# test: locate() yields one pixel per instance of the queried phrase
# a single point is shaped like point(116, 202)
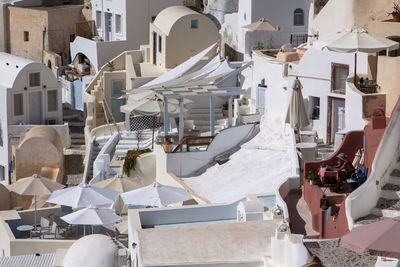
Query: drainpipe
point(43, 37)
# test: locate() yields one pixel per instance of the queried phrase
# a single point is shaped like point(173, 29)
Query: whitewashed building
point(334, 103)
point(121, 25)
point(29, 95)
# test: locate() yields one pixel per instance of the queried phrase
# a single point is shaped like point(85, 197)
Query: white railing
point(360, 202)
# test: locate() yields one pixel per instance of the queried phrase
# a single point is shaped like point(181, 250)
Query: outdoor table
point(324, 175)
point(25, 229)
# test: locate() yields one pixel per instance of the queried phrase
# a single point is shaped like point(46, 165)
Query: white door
point(261, 99)
point(338, 117)
point(108, 26)
point(35, 108)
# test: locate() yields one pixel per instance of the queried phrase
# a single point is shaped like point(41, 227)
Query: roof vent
point(8, 64)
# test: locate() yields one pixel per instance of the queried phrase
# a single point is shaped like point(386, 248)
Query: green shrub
point(130, 159)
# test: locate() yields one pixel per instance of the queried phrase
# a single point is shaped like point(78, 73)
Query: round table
point(25, 229)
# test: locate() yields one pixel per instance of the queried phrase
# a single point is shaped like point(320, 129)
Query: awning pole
point(230, 112)
point(166, 126)
point(181, 119)
point(212, 125)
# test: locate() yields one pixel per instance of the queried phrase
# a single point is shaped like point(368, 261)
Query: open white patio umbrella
point(156, 194)
point(34, 186)
point(150, 104)
point(262, 25)
point(297, 114)
point(91, 216)
point(120, 184)
point(83, 195)
point(354, 41)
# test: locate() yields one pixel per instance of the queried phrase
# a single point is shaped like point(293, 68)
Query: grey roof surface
point(43, 260)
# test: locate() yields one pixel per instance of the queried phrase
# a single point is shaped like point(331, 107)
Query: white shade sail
point(356, 40)
point(83, 195)
point(91, 216)
point(156, 194)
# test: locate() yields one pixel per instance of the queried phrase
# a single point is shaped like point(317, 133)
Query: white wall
point(185, 163)
point(360, 202)
point(277, 12)
point(48, 82)
point(4, 135)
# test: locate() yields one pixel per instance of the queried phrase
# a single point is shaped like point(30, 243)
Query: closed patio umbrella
point(34, 186)
point(91, 216)
point(297, 114)
point(83, 195)
point(156, 194)
point(378, 238)
point(354, 41)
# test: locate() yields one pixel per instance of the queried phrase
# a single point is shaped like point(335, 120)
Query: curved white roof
point(10, 66)
point(92, 250)
point(166, 19)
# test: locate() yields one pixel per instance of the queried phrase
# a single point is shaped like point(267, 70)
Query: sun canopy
point(356, 40)
point(91, 216)
point(156, 195)
point(378, 238)
point(83, 195)
point(262, 25)
point(35, 185)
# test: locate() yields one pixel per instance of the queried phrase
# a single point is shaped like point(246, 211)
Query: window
point(116, 87)
point(298, 17)
point(339, 75)
point(314, 103)
point(118, 24)
point(34, 79)
point(194, 24)
point(26, 36)
point(18, 105)
point(71, 37)
point(2, 173)
point(52, 100)
point(159, 43)
point(98, 19)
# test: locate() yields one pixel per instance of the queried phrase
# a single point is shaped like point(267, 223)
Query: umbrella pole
point(35, 213)
point(355, 68)
point(84, 230)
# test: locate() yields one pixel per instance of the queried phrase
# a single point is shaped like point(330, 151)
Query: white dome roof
point(92, 251)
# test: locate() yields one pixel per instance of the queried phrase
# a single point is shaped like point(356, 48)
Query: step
point(207, 127)
point(394, 180)
point(207, 122)
point(77, 135)
point(204, 116)
point(391, 187)
point(204, 110)
point(395, 173)
point(390, 204)
point(385, 212)
point(76, 123)
point(390, 194)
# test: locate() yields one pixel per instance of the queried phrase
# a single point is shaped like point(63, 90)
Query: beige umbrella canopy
point(121, 185)
point(34, 186)
point(262, 25)
point(297, 114)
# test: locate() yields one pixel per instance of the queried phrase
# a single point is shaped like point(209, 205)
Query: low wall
point(364, 198)
point(28, 216)
point(62, 130)
point(282, 192)
point(10, 246)
point(103, 159)
point(185, 163)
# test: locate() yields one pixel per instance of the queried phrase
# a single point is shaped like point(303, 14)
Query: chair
point(44, 226)
point(52, 231)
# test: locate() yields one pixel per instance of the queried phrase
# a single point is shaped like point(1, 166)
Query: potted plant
point(110, 66)
point(396, 11)
point(312, 177)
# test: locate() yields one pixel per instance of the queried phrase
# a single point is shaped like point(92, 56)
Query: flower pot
point(396, 17)
point(313, 182)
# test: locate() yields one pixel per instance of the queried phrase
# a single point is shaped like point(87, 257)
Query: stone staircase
point(76, 124)
point(92, 157)
point(99, 105)
point(201, 119)
point(129, 141)
point(388, 205)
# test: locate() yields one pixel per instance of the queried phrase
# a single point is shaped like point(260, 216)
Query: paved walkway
point(300, 215)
